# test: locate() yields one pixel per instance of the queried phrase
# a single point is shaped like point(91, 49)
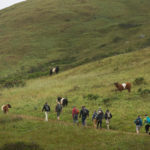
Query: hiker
point(83, 114)
point(58, 109)
point(146, 123)
point(108, 116)
point(99, 109)
point(94, 119)
point(138, 123)
point(99, 118)
point(75, 113)
point(46, 108)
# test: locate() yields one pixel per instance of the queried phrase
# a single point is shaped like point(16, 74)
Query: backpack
point(148, 120)
point(47, 108)
point(85, 112)
point(137, 122)
point(109, 116)
point(76, 111)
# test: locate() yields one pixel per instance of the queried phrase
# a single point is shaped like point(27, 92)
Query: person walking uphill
point(100, 109)
point(99, 118)
point(46, 108)
point(108, 116)
point(94, 118)
point(58, 109)
point(138, 123)
point(75, 113)
point(146, 121)
point(83, 114)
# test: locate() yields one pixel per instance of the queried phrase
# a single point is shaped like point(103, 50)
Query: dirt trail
point(71, 124)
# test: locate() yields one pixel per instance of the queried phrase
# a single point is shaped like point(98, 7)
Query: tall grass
point(36, 35)
point(95, 78)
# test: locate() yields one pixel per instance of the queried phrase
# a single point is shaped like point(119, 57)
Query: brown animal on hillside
point(5, 108)
point(123, 86)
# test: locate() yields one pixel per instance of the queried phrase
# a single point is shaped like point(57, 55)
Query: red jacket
point(75, 111)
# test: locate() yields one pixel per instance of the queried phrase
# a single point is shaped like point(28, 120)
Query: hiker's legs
point(75, 120)
point(107, 123)
point(46, 116)
point(147, 128)
point(100, 123)
point(58, 114)
point(83, 121)
point(137, 129)
point(94, 123)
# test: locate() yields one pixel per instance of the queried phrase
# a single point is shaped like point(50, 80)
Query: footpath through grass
point(32, 134)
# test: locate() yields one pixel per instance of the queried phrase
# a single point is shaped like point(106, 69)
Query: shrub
point(91, 97)
point(128, 25)
point(21, 146)
point(7, 120)
point(144, 92)
point(139, 81)
point(106, 101)
point(116, 39)
point(9, 83)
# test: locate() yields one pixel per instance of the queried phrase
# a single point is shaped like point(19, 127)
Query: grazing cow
point(54, 70)
point(123, 86)
point(5, 108)
point(62, 101)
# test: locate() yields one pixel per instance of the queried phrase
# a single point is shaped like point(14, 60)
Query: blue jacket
point(138, 121)
point(94, 116)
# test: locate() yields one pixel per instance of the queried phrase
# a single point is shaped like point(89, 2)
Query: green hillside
point(37, 34)
point(24, 124)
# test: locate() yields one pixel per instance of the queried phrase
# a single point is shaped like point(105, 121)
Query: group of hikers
point(138, 122)
point(97, 116)
point(46, 109)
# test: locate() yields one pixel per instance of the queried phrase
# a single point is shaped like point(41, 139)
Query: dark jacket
point(99, 116)
point(46, 107)
point(58, 108)
point(84, 113)
point(108, 115)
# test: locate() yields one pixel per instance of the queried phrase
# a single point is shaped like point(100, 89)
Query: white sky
point(7, 3)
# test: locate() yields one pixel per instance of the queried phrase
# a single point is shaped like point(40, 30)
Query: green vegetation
point(24, 123)
point(95, 43)
point(36, 35)
point(36, 135)
point(139, 80)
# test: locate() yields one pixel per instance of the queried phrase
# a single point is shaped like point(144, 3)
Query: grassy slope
point(93, 78)
point(36, 34)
